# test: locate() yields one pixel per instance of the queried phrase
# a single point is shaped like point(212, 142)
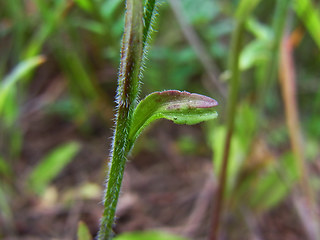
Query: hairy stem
point(128, 86)
point(149, 13)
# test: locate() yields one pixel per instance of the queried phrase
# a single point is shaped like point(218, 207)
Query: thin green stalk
point(244, 10)
point(133, 51)
point(128, 85)
point(149, 18)
point(288, 89)
point(269, 71)
point(149, 12)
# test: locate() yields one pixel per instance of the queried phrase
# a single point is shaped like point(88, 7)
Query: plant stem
point(150, 9)
point(269, 71)
point(128, 86)
point(288, 89)
point(244, 9)
point(236, 43)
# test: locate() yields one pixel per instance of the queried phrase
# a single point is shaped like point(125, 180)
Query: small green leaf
point(85, 5)
point(254, 53)
point(83, 232)
point(262, 32)
point(275, 185)
point(310, 16)
point(179, 107)
point(17, 74)
point(149, 235)
point(51, 166)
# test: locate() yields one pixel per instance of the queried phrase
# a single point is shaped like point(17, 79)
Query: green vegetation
point(133, 117)
point(58, 80)
point(148, 235)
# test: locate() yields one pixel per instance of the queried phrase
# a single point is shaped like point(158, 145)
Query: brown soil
point(164, 188)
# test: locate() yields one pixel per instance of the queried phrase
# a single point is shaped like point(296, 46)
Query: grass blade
point(17, 74)
point(51, 166)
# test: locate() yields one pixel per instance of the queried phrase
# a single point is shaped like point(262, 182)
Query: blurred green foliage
point(51, 166)
point(83, 232)
point(146, 235)
point(81, 40)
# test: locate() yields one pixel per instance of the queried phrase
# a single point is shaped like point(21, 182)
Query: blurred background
point(58, 71)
